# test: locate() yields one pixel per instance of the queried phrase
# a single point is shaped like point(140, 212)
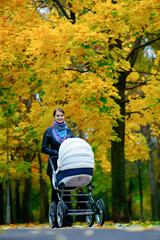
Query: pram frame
point(61, 210)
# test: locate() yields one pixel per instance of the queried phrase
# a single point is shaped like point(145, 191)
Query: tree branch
point(134, 56)
point(127, 100)
point(129, 113)
point(141, 46)
point(137, 85)
point(76, 70)
point(62, 9)
point(147, 73)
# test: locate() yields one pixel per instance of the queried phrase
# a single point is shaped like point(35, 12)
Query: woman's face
point(59, 117)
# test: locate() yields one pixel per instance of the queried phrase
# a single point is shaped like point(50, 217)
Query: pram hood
point(75, 153)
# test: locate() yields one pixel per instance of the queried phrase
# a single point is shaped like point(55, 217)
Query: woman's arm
point(45, 145)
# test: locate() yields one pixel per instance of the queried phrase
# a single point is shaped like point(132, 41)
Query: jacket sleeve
point(45, 145)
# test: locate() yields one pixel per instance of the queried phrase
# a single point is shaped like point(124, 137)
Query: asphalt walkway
point(79, 234)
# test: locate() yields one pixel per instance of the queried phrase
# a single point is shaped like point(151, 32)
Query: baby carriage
point(74, 170)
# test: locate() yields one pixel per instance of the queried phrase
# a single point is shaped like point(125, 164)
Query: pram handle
point(54, 171)
point(52, 165)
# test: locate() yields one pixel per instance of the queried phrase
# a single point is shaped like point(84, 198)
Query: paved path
point(78, 234)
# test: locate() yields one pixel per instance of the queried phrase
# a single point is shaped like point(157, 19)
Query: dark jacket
point(50, 146)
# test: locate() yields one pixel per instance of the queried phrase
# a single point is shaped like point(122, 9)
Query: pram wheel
point(90, 217)
point(61, 213)
point(90, 220)
point(100, 212)
point(52, 214)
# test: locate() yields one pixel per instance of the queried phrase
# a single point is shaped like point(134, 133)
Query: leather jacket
point(50, 146)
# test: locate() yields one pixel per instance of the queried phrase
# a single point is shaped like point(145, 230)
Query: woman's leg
point(69, 219)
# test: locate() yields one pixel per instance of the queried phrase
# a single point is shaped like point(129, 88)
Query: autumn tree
point(115, 51)
point(18, 88)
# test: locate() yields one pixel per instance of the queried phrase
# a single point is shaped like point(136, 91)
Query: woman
point(52, 139)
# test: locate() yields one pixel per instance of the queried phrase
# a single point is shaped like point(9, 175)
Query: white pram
point(75, 166)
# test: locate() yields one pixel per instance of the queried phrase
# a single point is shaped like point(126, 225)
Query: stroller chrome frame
point(58, 213)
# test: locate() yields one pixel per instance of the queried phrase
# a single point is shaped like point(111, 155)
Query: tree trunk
point(130, 190)
point(45, 199)
point(140, 189)
point(120, 206)
point(18, 207)
point(11, 203)
point(27, 197)
point(120, 210)
point(1, 205)
point(43, 195)
point(152, 144)
point(27, 200)
point(107, 215)
point(153, 189)
point(158, 175)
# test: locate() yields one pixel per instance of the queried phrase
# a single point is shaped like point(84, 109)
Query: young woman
point(52, 139)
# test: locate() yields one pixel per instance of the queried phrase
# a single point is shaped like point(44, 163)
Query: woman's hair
point(56, 110)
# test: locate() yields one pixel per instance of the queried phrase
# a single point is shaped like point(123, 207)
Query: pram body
point(75, 166)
